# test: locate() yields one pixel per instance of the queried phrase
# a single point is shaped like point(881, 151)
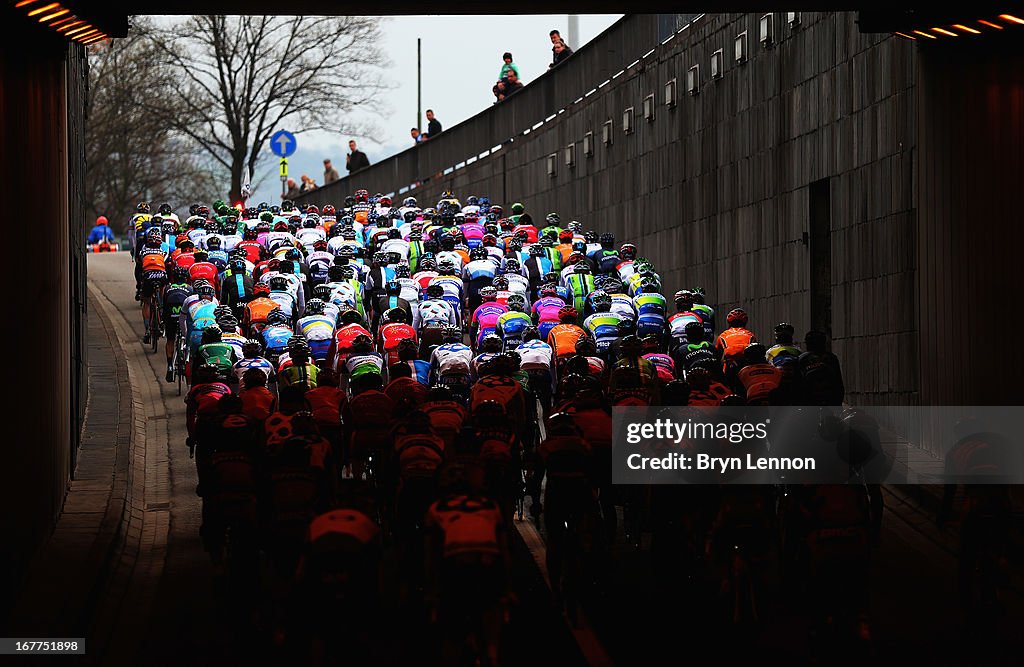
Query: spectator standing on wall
point(433, 125)
point(415, 134)
point(293, 190)
point(330, 173)
point(559, 49)
point(308, 184)
point(356, 159)
point(509, 65)
point(561, 53)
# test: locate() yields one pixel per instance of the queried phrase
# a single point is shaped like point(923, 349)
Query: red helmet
point(312, 208)
point(567, 313)
point(261, 289)
point(362, 196)
point(102, 220)
point(737, 318)
point(329, 209)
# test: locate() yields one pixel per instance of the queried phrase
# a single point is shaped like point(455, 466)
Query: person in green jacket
point(509, 65)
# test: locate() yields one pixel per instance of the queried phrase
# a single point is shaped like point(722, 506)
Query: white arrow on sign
point(283, 142)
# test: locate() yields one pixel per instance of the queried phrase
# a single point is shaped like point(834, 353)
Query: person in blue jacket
point(101, 232)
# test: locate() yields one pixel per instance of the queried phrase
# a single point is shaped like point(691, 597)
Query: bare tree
point(237, 80)
point(131, 153)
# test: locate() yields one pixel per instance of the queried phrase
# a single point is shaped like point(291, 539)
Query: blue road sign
point(283, 143)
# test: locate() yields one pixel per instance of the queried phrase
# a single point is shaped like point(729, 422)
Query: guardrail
point(624, 43)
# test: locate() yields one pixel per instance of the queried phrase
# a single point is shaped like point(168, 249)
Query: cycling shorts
point(152, 281)
point(171, 329)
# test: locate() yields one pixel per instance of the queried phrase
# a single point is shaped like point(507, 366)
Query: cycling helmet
point(612, 285)
point(585, 347)
point(601, 300)
point(784, 329)
point(323, 293)
point(237, 266)
point(252, 348)
point(737, 317)
point(530, 332)
point(478, 253)
point(627, 251)
point(261, 289)
point(392, 288)
point(607, 241)
point(362, 196)
point(278, 284)
point(683, 296)
point(446, 267)
point(250, 234)
point(315, 306)
point(754, 353)
point(650, 343)
point(142, 207)
point(517, 302)
point(351, 316)
point(548, 289)
point(402, 271)
point(563, 423)
point(211, 334)
point(362, 343)
point(581, 267)
point(567, 314)
point(489, 240)
point(395, 316)
point(537, 249)
point(154, 236)
point(499, 282)
point(228, 323)
point(278, 317)
point(222, 310)
point(213, 243)
point(428, 264)
point(630, 345)
point(491, 343)
point(694, 332)
point(452, 335)
point(435, 291)
point(488, 293)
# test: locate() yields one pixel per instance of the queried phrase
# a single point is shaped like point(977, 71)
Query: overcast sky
point(461, 61)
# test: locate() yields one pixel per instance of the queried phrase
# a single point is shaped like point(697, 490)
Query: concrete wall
point(716, 189)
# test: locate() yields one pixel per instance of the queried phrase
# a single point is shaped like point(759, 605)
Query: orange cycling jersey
point(734, 340)
point(258, 309)
point(712, 395)
point(760, 380)
point(470, 525)
point(153, 262)
point(563, 338)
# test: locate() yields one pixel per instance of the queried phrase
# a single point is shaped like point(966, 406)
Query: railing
point(615, 49)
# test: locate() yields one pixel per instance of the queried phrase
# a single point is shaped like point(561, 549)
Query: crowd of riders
point(397, 374)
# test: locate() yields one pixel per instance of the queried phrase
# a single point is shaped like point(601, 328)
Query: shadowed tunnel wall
point(42, 107)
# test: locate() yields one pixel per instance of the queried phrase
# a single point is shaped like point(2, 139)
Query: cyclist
point(150, 274)
point(603, 326)
point(175, 295)
point(511, 324)
point(820, 373)
point(564, 459)
point(317, 328)
point(484, 320)
point(450, 362)
point(733, 341)
point(216, 353)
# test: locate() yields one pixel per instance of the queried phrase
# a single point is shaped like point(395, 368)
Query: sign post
point(283, 144)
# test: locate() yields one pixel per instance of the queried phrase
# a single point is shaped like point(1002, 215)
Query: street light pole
point(419, 85)
point(574, 31)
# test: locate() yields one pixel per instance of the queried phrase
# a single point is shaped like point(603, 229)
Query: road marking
point(590, 646)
